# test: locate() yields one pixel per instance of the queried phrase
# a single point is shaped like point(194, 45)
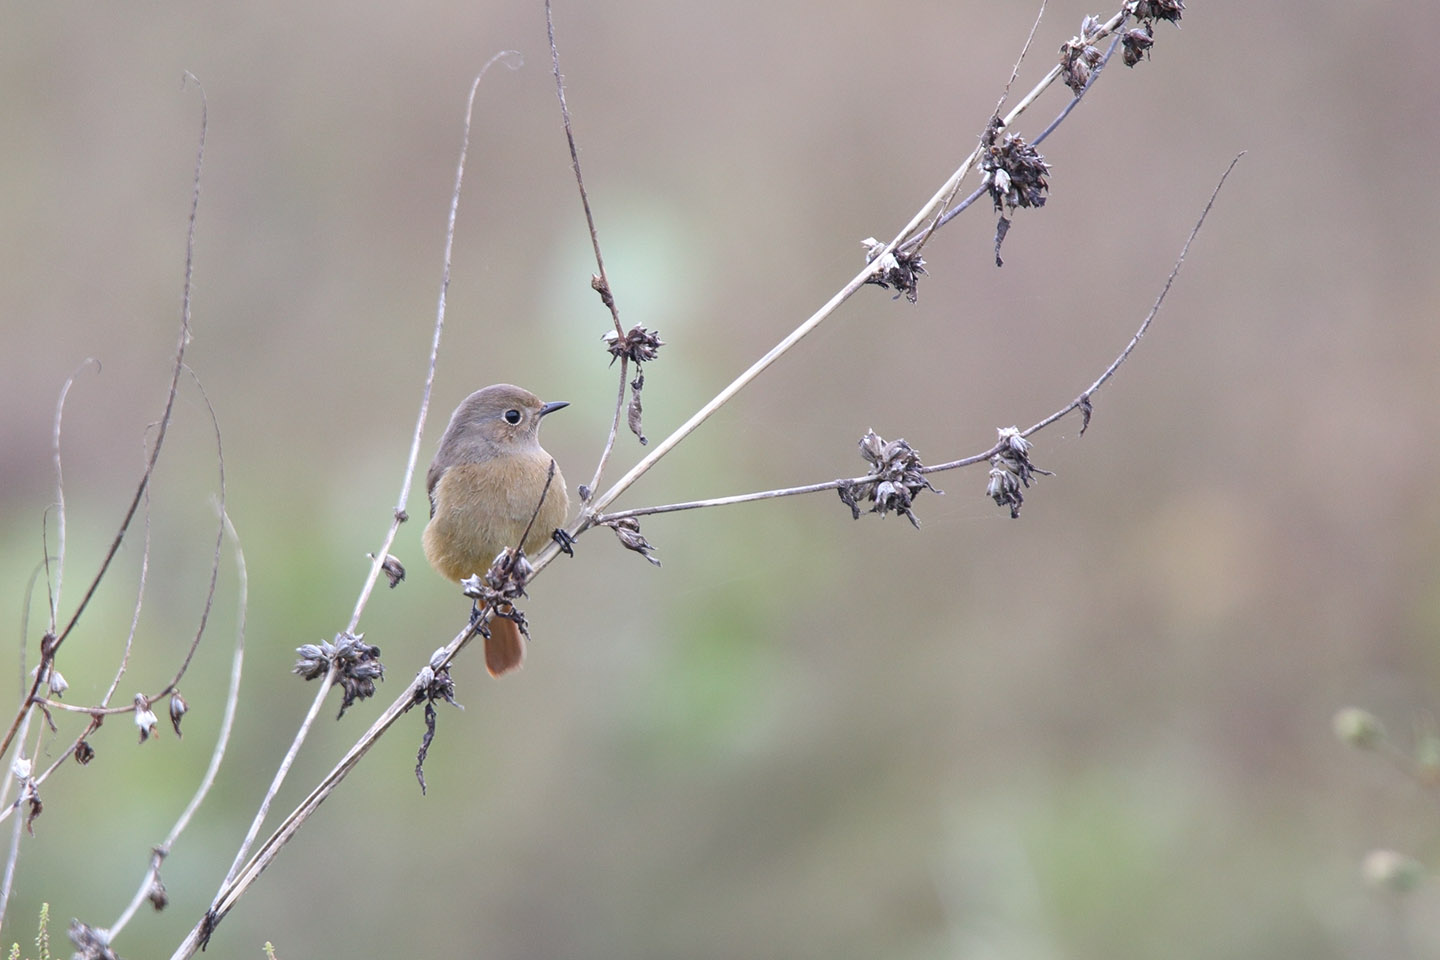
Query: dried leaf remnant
point(638, 346)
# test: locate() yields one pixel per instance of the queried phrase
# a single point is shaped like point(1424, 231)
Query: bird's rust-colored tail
point(504, 648)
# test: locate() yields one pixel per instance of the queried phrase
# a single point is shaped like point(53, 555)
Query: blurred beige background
point(1101, 731)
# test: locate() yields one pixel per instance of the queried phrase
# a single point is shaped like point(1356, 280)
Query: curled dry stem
point(57, 579)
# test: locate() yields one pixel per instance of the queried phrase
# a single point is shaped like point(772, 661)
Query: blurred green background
point(1101, 731)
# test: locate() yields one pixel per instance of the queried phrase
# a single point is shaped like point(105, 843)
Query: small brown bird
point(485, 482)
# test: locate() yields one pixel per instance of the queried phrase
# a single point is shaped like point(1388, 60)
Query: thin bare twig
point(916, 243)
point(544, 492)
point(56, 581)
point(378, 557)
point(1145, 325)
point(1015, 71)
point(11, 858)
point(139, 602)
point(183, 342)
point(219, 541)
point(601, 282)
point(289, 759)
point(614, 428)
point(222, 739)
point(603, 287)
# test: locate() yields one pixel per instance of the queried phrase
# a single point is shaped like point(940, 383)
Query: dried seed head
point(640, 345)
point(178, 708)
point(145, 718)
point(20, 768)
point(503, 582)
point(30, 798)
point(898, 269)
point(48, 675)
point(314, 659)
point(434, 683)
point(1137, 43)
point(90, 943)
point(1011, 471)
point(1079, 57)
point(84, 753)
point(393, 569)
point(627, 529)
point(895, 478)
point(1157, 9)
point(356, 664)
point(1013, 171)
point(157, 896)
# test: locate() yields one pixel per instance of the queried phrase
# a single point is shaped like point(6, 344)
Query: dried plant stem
point(606, 294)
point(13, 856)
point(315, 704)
point(974, 458)
point(238, 881)
point(602, 279)
point(1145, 325)
point(219, 542)
point(614, 426)
point(135, 615)
point(222, 740)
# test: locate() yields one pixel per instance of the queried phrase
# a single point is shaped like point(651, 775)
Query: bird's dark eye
point(512, 416)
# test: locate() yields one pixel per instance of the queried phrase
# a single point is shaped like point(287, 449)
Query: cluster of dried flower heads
point(894, 480)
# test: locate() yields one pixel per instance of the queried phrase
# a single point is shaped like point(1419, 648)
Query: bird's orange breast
point(482, 508)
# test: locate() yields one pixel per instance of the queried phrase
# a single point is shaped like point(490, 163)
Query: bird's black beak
point(553, 406)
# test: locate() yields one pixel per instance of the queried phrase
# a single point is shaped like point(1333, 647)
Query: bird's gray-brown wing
point(432, 479)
